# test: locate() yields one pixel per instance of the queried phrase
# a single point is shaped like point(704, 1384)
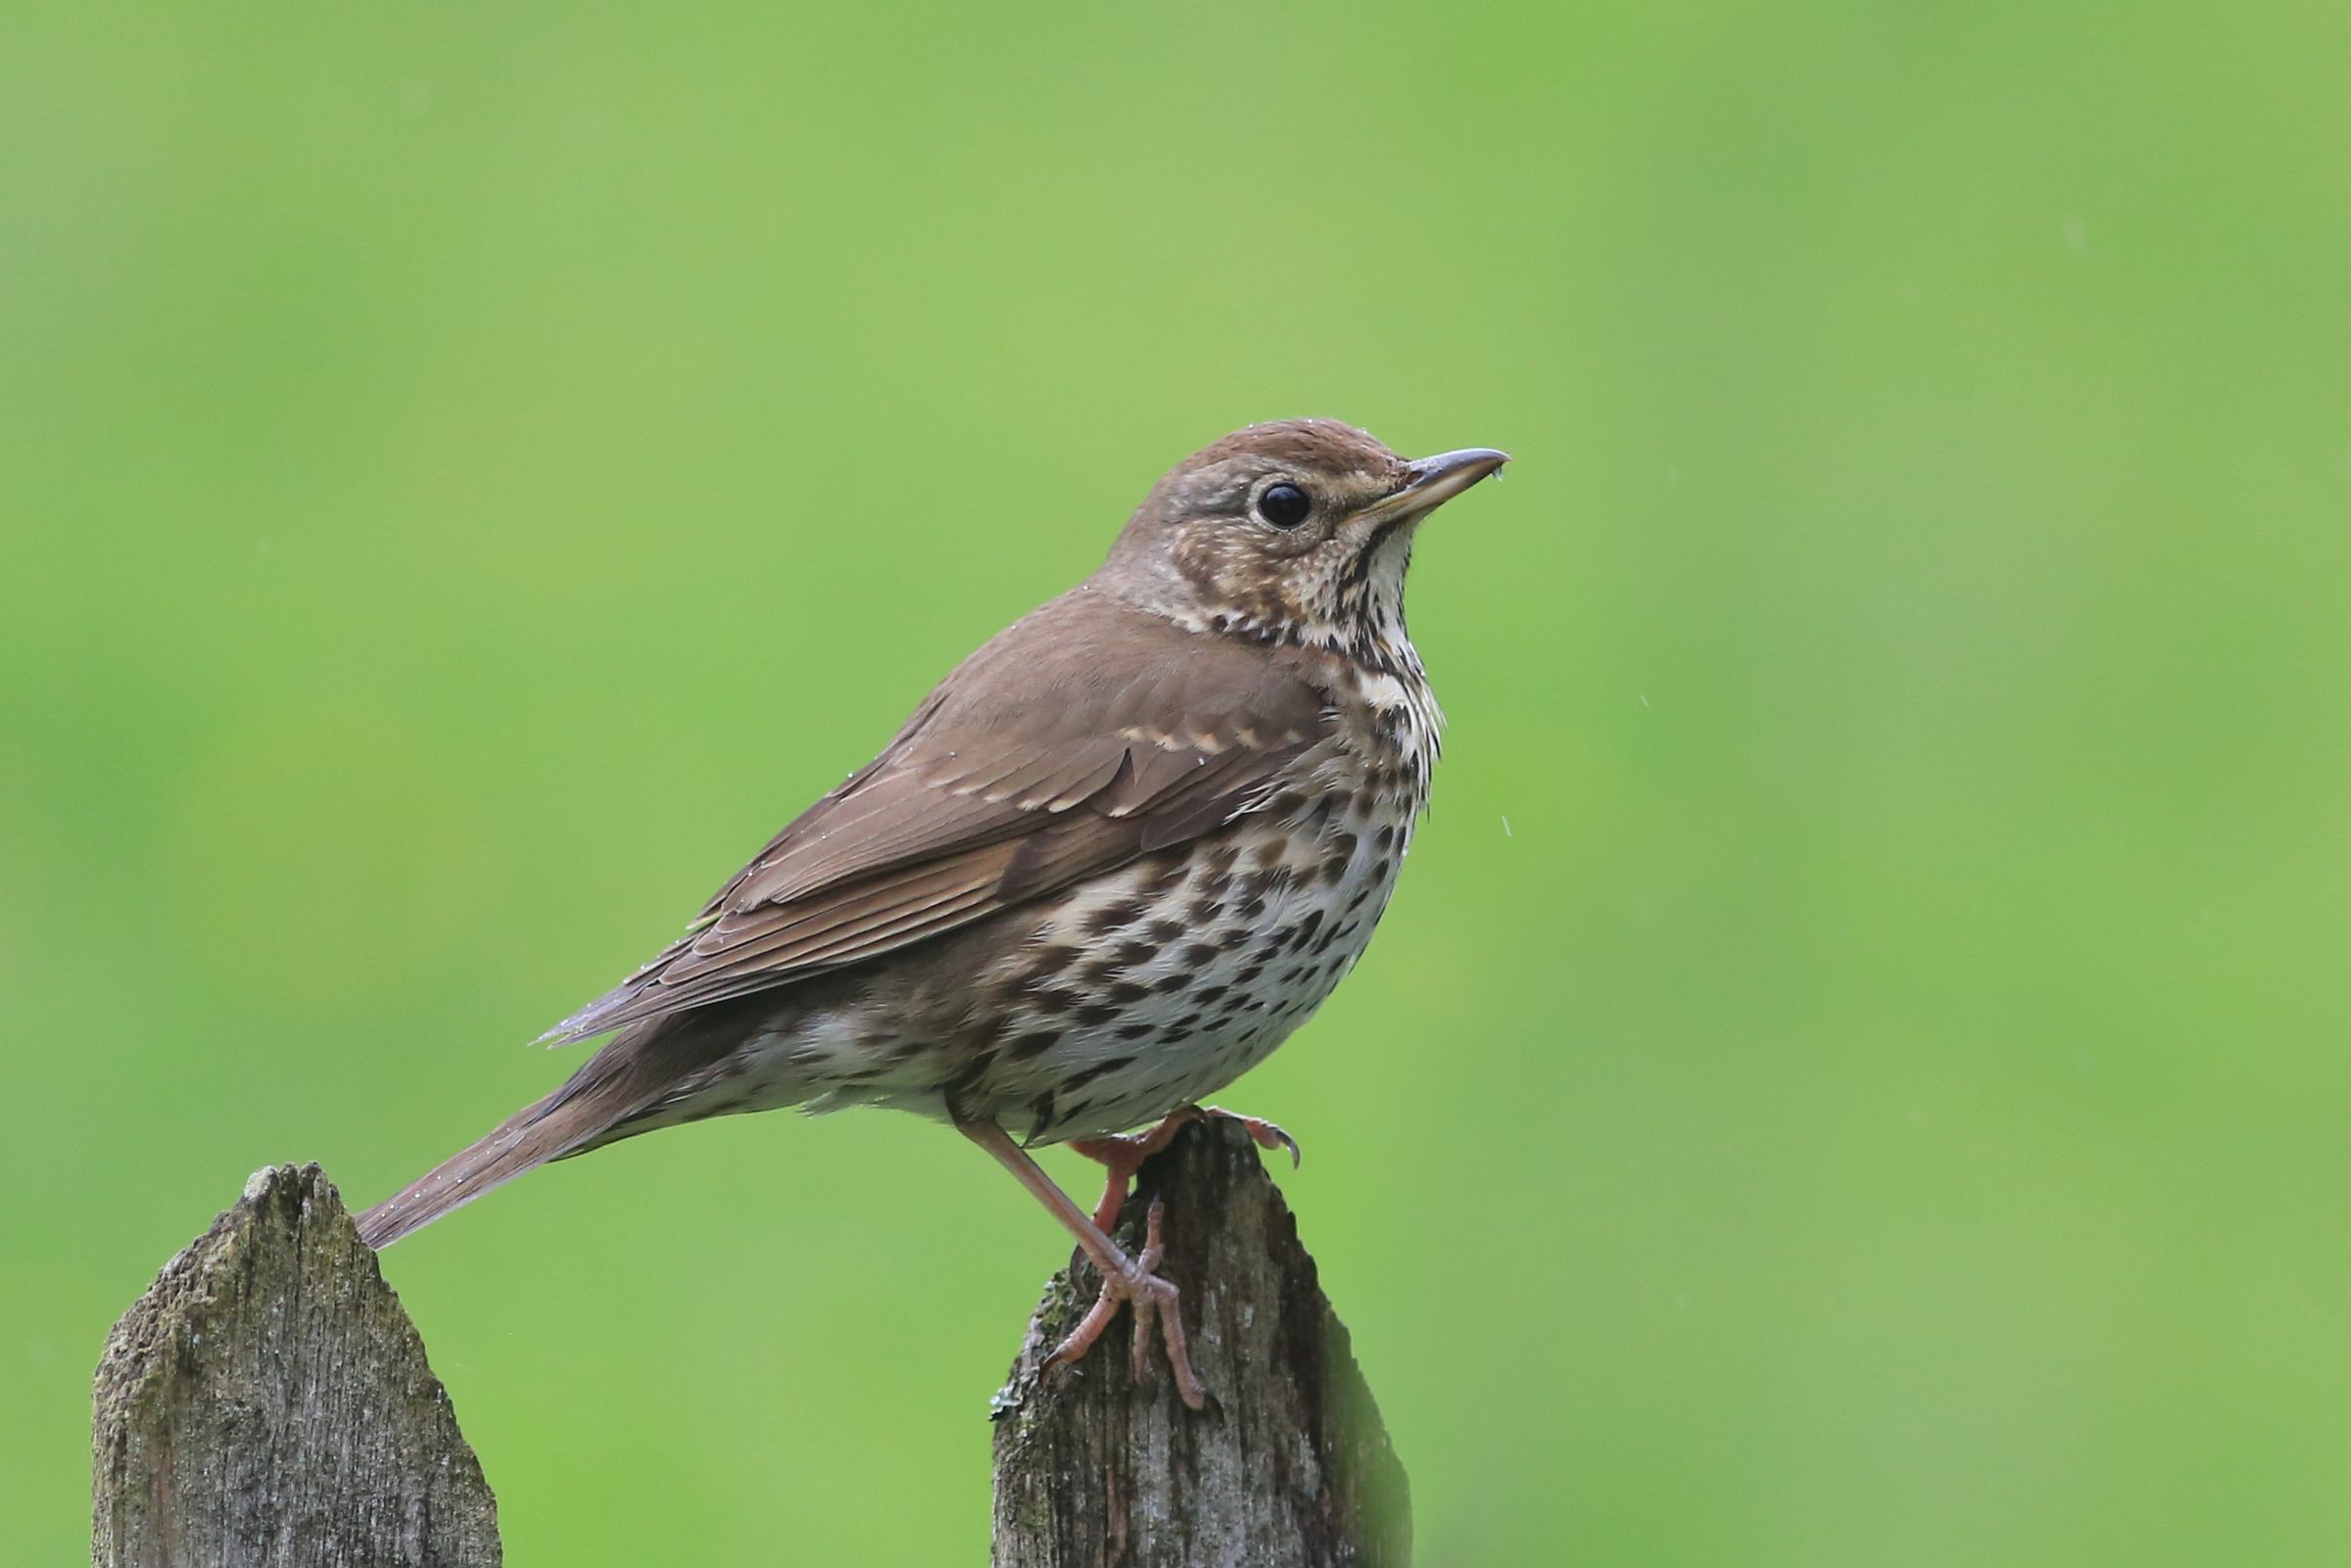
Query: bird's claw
point(1267, 1134)
point(1155, 1302)
point(1121, 1155)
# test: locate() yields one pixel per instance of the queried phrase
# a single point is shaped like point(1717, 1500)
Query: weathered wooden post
point(266, 1404)
point(1288, 1468)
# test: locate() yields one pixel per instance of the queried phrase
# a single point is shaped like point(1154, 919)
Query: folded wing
point(1082, 736)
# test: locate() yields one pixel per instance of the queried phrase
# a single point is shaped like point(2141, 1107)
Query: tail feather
point(523, 1142)
point(618, 1093)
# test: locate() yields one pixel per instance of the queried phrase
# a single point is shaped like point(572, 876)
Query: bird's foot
point(1268, 1134)
point(1123, 1153)
point(1154, 1300)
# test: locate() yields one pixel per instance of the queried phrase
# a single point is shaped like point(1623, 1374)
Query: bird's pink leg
point(1125, 1153)
point(1123, 1278)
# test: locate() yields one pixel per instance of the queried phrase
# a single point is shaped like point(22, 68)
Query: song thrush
point(1106, 866)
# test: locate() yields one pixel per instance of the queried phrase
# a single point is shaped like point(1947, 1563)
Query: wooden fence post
point(266, 1404)
point(1288, 1468)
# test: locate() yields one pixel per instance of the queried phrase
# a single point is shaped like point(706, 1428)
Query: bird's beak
point(1431, 482)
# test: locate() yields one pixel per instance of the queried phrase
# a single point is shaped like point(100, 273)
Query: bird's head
point(1295, 531)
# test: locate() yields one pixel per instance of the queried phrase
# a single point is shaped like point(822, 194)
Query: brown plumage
point(1084, 734)
point(1106, 866)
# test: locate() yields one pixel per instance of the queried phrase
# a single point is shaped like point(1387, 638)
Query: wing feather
point(1085, 735)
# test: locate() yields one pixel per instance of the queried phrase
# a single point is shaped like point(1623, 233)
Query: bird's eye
point(1284, 506)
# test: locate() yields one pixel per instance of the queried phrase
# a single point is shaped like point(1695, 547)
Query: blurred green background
point(1856, 1072)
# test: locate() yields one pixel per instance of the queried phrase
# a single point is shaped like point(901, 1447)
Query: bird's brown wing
point(1085, 735)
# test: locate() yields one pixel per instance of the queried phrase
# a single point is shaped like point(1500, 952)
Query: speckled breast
point(1161, 983)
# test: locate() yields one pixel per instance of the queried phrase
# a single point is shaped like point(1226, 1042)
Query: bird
point(1106, 866)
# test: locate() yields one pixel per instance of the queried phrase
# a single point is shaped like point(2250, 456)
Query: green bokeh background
point(1856, 1072)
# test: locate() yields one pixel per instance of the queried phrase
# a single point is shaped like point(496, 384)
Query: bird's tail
point(598, 1105)
point(524, 1141)
point(617, 1093)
